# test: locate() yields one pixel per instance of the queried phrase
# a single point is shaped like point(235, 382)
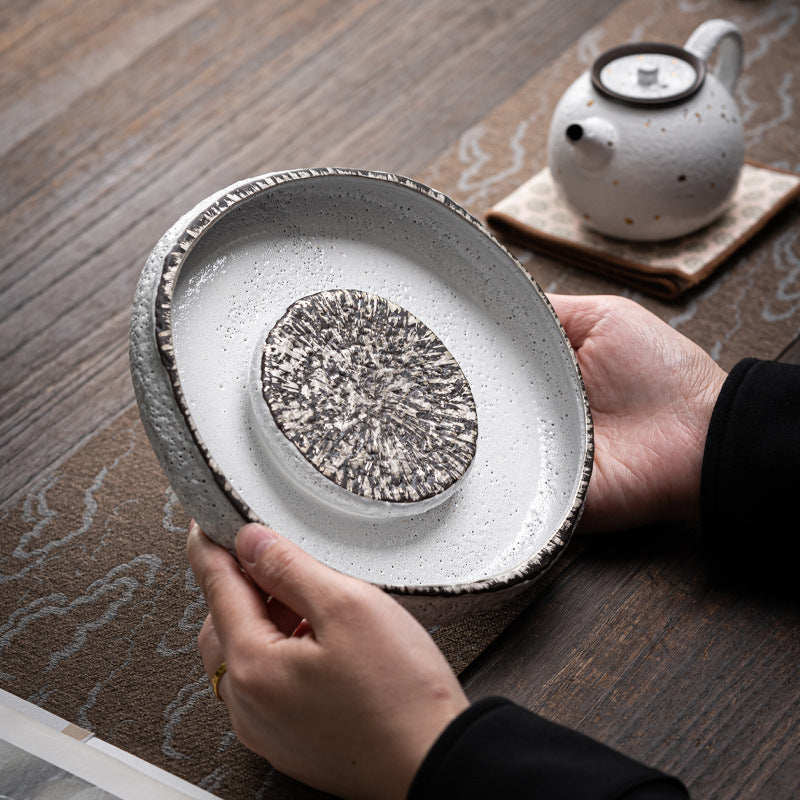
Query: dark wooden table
point(116, 117)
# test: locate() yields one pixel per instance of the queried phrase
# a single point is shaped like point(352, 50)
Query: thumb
point(288, 573)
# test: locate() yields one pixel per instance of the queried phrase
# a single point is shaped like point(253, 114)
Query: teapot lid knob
point(648, 73)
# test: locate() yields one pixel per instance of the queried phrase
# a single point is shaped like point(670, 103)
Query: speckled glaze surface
point(361, 405)
point(652, 172)
point(281, 235)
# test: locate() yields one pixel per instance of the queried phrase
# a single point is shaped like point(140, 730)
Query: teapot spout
point(592, 141)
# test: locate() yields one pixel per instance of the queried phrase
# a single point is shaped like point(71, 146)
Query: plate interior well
point(354, 232)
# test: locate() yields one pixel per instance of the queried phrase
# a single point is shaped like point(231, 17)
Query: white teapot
point(649, 144)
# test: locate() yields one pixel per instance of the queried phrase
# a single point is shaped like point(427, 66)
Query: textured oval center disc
point(369, 396)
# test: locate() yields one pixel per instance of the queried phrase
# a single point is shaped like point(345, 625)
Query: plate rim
point(241, 192)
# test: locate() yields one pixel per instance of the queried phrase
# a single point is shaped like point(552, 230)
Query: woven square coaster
point(535, 217)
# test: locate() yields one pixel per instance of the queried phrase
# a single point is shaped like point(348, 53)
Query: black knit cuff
point(751, 469)
point(498, 749)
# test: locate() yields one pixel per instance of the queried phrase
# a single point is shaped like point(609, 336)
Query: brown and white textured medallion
point(363, 405)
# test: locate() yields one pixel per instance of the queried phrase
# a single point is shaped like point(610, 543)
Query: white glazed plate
point(232, 266)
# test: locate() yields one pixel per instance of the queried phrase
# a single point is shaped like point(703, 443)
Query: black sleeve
point(751, 472)
point(497, 749)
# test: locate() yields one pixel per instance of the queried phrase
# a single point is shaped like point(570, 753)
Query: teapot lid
point(648, 73)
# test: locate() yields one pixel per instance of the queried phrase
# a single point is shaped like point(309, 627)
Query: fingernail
point(252, 540)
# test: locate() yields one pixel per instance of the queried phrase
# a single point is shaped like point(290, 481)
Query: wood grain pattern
point(115, 119)
point(637, 647)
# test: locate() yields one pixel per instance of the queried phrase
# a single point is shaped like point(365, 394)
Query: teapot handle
point(723, 34)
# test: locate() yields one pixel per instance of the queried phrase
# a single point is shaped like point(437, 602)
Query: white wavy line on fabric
point(131, 638)
point(190, 622)
point(108, 529)
point(749, 108)
point(765, 42)
point(693, 7)
point(469, 145)
point(216, 778)
point(43, 517)
point(29, 614)
point(589, 46)
point(45, 514)
point(753, 135)
point(225, 741)
point(36, 497)
point(168, 520)
point(264, 792)
point(786, 260)
point(83, 711)
point(689, 312)
point(188, 697)
point(747, 279)
point(470, 152)
point(42, 695)
point(118, 578)
point(57, 605)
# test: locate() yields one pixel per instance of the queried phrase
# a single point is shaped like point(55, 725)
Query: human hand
point(651, 391)
point(350, 701)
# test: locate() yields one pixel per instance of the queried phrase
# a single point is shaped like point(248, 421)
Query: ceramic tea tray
point(232, 266)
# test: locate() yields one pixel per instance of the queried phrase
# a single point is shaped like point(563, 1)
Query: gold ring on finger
point(216, 677)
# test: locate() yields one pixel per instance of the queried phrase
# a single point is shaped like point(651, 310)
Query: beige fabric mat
point(535, 216)
point(99, 610)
